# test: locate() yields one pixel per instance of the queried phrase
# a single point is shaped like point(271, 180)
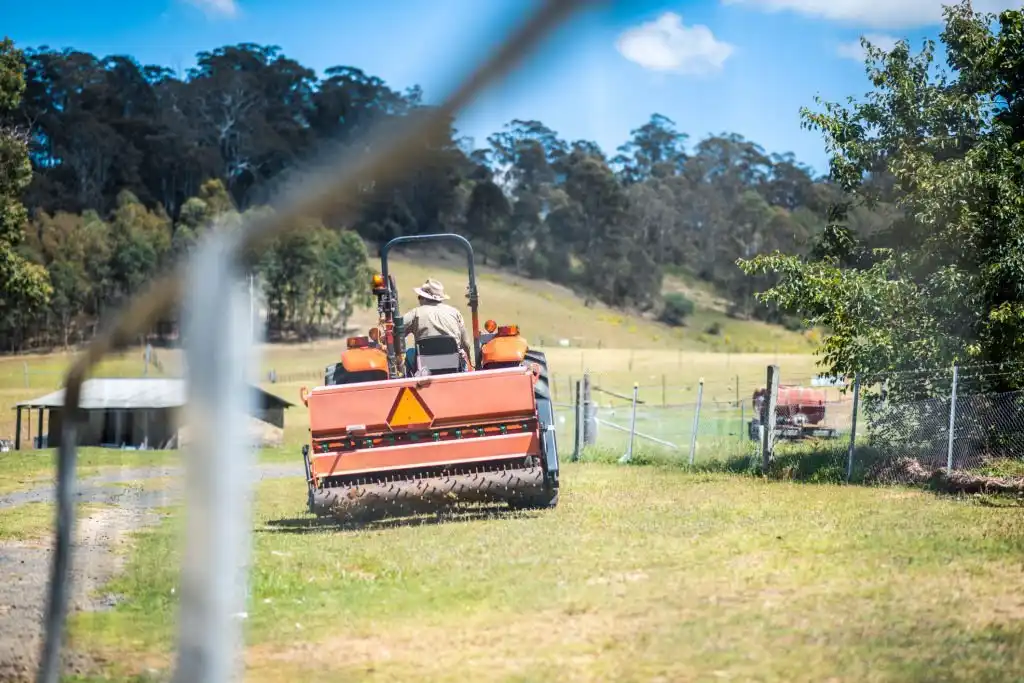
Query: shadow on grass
point(312, 525)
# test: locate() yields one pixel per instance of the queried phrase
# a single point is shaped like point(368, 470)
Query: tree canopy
point(130, 161)
point(940, 150)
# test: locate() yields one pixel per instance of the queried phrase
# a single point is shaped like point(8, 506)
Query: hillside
point(549, 313)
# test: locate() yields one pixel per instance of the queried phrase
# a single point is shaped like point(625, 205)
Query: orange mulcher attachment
point(406, 445)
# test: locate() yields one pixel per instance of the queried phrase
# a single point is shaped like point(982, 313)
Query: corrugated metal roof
point(127, 392)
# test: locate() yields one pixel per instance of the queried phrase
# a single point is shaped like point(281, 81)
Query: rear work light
point(508, 330)
point(358, 342)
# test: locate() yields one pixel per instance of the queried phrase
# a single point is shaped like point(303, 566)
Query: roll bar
point(472, 294)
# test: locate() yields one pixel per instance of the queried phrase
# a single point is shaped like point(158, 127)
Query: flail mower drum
point(389, 440)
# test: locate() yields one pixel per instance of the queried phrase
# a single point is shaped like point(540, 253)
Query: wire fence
point(707, 427)
point(952, 421)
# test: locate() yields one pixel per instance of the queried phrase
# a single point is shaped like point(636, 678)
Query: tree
point(141, 161)
point(26, 286)
point(677, 309)
point(944, 281)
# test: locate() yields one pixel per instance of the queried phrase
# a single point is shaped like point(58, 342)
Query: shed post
point(17, 429)
point(39, 427)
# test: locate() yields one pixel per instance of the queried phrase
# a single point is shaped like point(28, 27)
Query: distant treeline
point(129, 161)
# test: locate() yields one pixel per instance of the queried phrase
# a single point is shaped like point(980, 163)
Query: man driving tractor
point(434, 318)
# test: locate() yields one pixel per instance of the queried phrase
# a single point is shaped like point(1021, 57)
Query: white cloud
point(853, 49)
point(874, 13)
point(223, 8)
point(665, 44)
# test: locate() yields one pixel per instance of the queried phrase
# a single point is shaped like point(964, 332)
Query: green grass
point(34, 521)
point(35, 468)
point(26, 470)
point(642, 573)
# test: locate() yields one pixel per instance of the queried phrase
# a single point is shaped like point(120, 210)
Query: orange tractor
point(390, 439)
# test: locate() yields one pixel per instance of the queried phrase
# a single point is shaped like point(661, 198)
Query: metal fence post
point(578, 426)
point(853, 427)
point(696, 420)
point(589, 414)
point(632, 425)
point(743, 422)
point(768, 418)
point(952, 418)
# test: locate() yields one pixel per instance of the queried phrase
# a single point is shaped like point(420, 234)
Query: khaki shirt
point(433, 320)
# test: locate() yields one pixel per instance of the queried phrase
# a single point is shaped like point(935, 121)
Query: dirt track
point(25, 565)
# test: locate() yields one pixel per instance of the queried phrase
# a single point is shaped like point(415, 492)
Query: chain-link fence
point(964, 423)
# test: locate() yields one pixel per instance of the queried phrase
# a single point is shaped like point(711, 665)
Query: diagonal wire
point(337, 187)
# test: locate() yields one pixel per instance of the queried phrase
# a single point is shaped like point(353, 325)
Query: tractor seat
point(438, 356)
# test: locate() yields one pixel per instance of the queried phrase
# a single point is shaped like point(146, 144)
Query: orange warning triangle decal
point(409, 410)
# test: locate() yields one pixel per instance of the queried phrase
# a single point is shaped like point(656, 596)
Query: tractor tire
point(540, 359)
point(547, 497)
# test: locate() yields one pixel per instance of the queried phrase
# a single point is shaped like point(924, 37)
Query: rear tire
point(548, 498)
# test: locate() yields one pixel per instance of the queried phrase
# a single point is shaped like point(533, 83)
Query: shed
point(141, 412)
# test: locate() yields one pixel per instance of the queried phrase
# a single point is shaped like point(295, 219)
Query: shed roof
point(120, 393)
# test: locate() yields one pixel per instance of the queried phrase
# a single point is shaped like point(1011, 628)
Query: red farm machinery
point(799, 413)
point(389, 439)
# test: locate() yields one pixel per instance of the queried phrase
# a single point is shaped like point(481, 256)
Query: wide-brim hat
point(431, 289)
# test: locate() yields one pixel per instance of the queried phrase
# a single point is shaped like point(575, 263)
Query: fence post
point(743, 422)
point(632, 426)
point(853, 427)
point(25, 366)
point(696, 420)
point(952, 418)
point(589, 414)
point(768, 419)
point(741, 407)
point(578, 427)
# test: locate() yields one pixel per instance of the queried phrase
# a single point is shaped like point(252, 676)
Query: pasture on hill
point(617, 347)
point(547, 312)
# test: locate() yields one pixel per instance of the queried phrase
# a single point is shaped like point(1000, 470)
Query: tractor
point(386, 439)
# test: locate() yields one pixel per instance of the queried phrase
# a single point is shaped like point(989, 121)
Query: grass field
point(654, 572)
point(641, 574)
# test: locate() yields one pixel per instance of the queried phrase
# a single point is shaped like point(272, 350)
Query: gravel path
point(25, 565)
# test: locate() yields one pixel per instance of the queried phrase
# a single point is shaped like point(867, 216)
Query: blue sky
point(743, 66)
